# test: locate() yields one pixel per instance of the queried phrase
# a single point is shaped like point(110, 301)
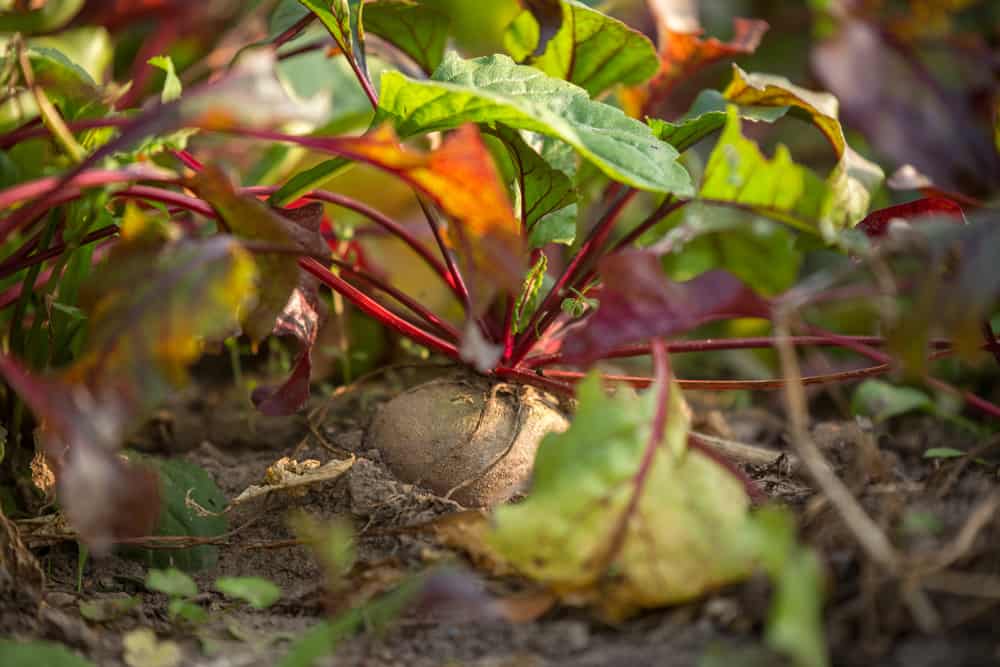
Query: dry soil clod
point(465, 437)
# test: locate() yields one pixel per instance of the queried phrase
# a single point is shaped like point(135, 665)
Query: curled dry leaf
point(287, 474)
point(683, 51)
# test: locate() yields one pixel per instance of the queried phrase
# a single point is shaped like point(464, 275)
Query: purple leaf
point(638, 302)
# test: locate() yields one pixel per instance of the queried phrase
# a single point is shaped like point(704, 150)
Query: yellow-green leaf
point(584, 532)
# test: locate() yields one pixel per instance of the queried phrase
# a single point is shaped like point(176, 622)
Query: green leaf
point(335, 15)
point(87, 47)
point(416, 30)
point(795, 619)
point(854, 179)
point(584, 533)
point(35, 653)
point(179, 481)
point(496, 90)
point(527, 302)
point(257, 592)
point(310, 179)
point(67, 85)
point(50, 16)
point(758, 251)
point(707, 114)
point(189, 611)
point(172, 582)
point(943, 453)
point(171, 85)
point(881, 401)
point(590, 49)
point(738, 173)
point(545, 183)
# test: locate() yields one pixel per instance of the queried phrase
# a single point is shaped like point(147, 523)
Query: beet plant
point(570, 217)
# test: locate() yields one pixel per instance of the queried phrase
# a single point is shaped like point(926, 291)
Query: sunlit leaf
point(590, 49)
point(592, 534)
point(737, 172)
point(854, 178)
point(461, 179)
point(637, 302)
point(416, 30)
point(47, 16)
point(495, 89)
point(683, 51)
point(172, 85)
point(943, 453)
point(707, 114)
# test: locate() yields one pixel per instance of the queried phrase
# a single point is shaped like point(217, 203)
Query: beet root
point(465, 437)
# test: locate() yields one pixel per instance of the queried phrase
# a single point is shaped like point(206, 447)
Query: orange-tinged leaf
point(461, 179)
point(684, 51)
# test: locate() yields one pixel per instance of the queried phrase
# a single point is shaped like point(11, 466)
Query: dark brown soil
point(922, 505)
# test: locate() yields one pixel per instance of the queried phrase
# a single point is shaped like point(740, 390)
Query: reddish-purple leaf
point(876, 224)
point(637, 302)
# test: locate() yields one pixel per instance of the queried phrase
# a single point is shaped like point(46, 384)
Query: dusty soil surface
point(947, 615)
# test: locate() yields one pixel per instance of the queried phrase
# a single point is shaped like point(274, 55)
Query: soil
point(872, 618)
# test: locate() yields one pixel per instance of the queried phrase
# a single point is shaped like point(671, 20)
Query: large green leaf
point(590, 49)
point(585, 533)
point(49, 16)
point(707, 114)
point(416, 30)
point(854, 178)
point(739, 174)
point(545, 184)
point(495, 89)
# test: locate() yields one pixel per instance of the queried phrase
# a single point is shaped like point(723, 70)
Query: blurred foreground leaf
point(35, 653)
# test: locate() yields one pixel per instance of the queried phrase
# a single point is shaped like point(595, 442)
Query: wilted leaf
point(854, 178)
point(495, 89)
point(590, 49)
point(738, 172)
point(257, 592)
point(102, 610)
point(683, 52)
point(35, 653)
point(287, 474)
point(881, 401)
point(585, 533)
point(637, 302)
point(416, 30)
